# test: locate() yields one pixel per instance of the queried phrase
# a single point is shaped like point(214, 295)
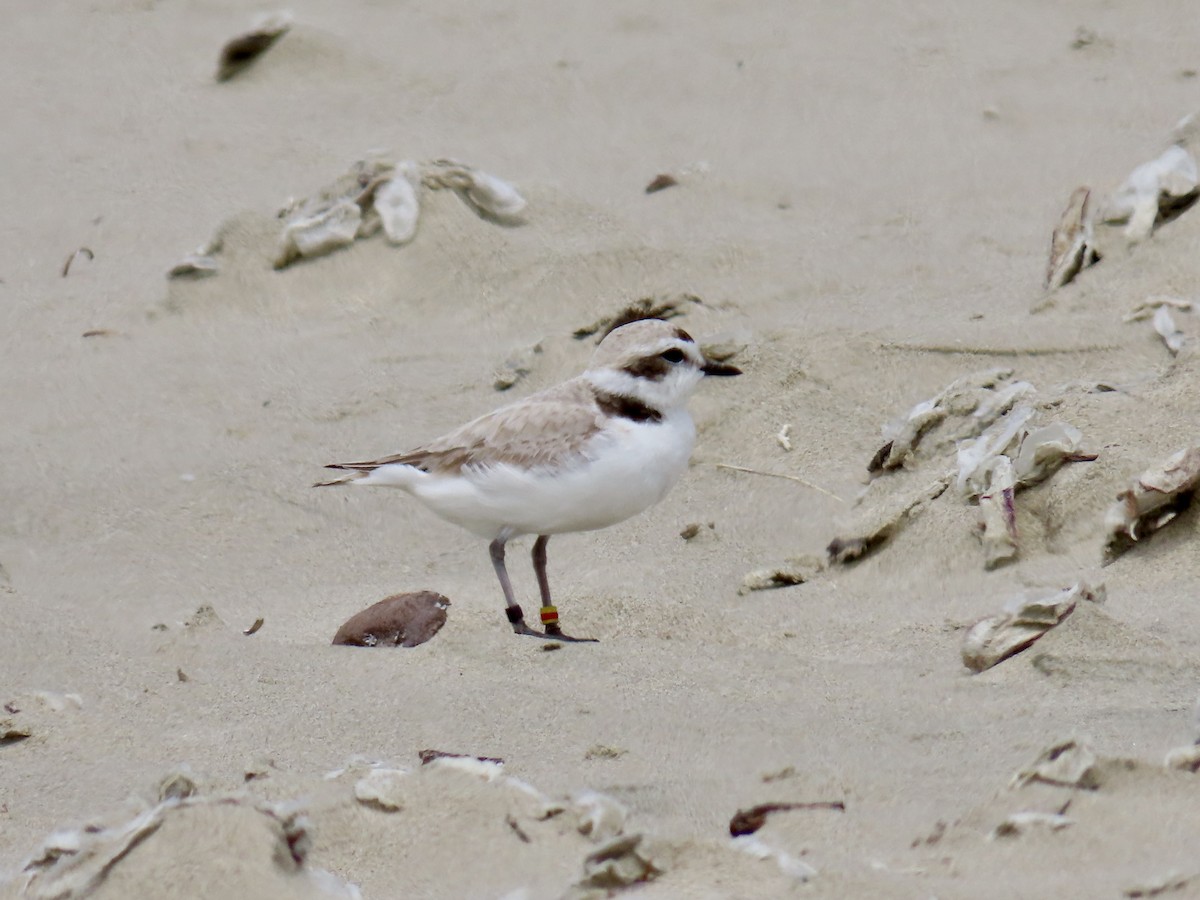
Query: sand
point(867, 193)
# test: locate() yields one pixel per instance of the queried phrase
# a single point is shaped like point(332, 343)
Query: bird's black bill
point(718, 368)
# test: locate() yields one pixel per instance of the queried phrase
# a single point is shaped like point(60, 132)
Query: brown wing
point(544, 429)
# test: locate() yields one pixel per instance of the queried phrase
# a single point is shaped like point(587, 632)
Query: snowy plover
point(584, 455)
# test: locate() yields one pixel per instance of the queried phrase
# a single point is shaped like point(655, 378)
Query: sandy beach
point(865, 199)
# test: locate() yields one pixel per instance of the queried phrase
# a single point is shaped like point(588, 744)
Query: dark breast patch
point(627, 408)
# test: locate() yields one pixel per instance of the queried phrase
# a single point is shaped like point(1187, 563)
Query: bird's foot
point(552, 633)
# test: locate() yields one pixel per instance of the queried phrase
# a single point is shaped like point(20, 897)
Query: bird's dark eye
point(674, 355)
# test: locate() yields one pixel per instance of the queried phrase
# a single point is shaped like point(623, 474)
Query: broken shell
point(975, 456)
point(1186, 759)
point(661, 182)
point(11, 732)
point(312, 233)
point(1043, 450)
point(1164, 324)
point(402, 620)
point(621, 862)
point(396, 203)
point(881, 524)
point(428, 756)
point(242, 50)
point(1068, 763)
point(490, 197)
point(1071, 249)
point(1148, 307)
point(486, 769)
point(754, 846)
point(999, 516)
point(597, 815)
point(245, 48)
point(382, 788)
point(1152, 189)
point(794, 571)
point(1021, 822)
point(1156, 497)
point(494, 197)
point(193, 266)
point(992, 640)
point(961, 397)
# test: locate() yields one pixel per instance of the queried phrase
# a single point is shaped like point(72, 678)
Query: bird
point(585, 454)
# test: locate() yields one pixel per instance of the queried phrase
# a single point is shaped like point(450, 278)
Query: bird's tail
point(345, 479)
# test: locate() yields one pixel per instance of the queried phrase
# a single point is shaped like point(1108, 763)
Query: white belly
point(627, 468)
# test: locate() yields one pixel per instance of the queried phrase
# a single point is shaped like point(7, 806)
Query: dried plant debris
point(85, 252)
point(880, 524)
point(1031, 820)
point(666, 307)
point(1025, 619)
point(402, 620)
point(1164, 884)
point(748, 821)
point(1164, 324)
point(1154, 499)
point(794, 571)
point(244, 49)
point(1071, 245)
point(1069, 763)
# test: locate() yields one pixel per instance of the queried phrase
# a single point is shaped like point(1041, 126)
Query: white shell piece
point(1154, 499)
point(1136, 201)
point(486, 769)
point(1164, 324)
point(383, 788)
point(309, 234)
point(1186, 758)
point(397, 204)
point(994, 441)
point(754, 846)
point(1024, 620)
point(598, 816)
point(1043, 451)
point(1069, 763)
point(494, 196)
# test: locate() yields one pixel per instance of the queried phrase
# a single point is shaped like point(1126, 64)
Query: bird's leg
point(516, 618)
point(549, 610)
